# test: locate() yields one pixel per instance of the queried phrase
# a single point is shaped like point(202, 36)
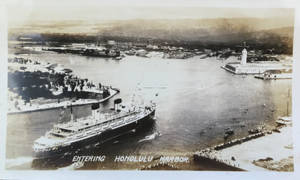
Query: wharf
point(34, 108)
point(254, 68)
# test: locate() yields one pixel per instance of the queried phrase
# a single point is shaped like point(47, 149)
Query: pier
point(37, 86)
point(243, 67)
point(254, 68)
point(48, 106)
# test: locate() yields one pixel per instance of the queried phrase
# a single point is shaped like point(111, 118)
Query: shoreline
point(66, 104)
point(18, 64)
point(264, 153)
point(209, 164)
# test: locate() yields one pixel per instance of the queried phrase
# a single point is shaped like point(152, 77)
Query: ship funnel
point(116, 103)
point(95, 107)
point(71, 110)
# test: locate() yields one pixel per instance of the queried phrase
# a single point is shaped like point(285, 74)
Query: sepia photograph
point(101, 86)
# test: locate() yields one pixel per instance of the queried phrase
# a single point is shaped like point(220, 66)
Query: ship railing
point(105, 126)
point(61, 135)
point(80, 136)
point(133, 118)
point(113, 119)
point(119, 116)
point(89, 132)
point(117, 123)
point(112, 124)
point(120, 122)
point(46, 148)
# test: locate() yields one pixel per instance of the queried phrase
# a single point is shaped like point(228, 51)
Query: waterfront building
point(254, 68)
point(244, 57)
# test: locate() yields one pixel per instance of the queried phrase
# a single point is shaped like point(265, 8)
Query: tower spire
point(244, 54)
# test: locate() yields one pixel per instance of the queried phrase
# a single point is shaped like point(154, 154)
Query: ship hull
point(99, 139)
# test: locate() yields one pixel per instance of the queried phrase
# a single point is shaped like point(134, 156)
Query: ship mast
point(72, 116)
point(95, 109)
point(135, 95)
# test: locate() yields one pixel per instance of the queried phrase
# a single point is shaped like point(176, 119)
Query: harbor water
point(196, 102)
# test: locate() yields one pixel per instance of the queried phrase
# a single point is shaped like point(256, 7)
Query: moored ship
point(99, 127)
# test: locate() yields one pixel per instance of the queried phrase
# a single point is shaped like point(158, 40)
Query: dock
point(254, 68)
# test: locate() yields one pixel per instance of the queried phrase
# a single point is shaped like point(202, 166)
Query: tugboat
point(275, 74)
point(99, 127)
point(228, 132)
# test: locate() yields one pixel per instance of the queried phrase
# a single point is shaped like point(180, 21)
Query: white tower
point(244, 57)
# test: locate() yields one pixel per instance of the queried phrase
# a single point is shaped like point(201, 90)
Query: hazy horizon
point(91, 11)
point(159, 21)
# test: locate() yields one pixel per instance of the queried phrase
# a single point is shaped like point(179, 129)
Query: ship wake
point(73, 166)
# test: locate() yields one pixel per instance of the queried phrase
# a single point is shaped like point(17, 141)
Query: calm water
point(197, 101)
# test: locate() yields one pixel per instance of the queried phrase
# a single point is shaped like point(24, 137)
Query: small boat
point(228, 132)
point(275, 74)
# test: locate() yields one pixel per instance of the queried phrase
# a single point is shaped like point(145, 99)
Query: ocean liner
point(99, 127)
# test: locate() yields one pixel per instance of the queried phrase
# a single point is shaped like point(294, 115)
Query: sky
point(24, 11)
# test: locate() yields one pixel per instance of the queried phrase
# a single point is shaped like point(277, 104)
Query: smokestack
point(116, 103)
point(95, 107)
point(72, 117)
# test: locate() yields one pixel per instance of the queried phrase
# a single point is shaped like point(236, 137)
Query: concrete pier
point(48, 106)
point(254, 68)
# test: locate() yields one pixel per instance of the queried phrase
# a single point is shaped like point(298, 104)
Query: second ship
point(99, 127)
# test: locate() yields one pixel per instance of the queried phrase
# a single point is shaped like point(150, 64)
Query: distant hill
point(188, 29)
point(266, 33)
